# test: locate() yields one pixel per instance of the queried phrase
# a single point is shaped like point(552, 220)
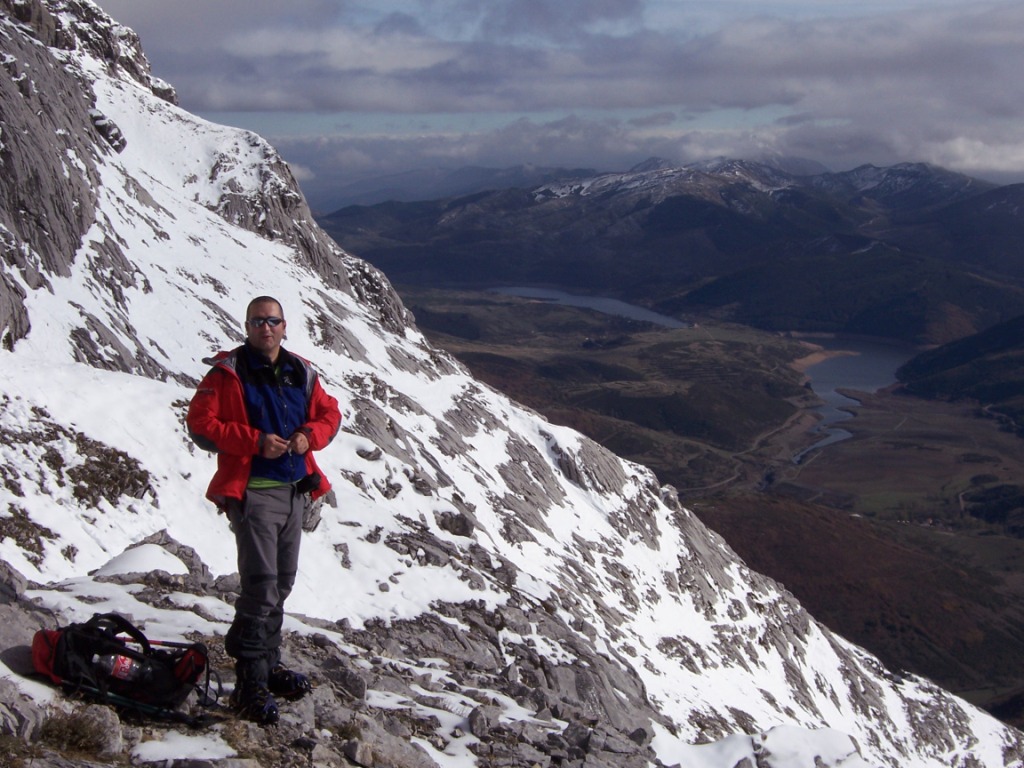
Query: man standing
point(264, 412)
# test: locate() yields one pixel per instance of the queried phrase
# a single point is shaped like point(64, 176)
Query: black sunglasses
point(258, 322)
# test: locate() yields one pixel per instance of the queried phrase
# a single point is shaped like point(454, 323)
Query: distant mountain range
point(432, 183)
point(911, 252)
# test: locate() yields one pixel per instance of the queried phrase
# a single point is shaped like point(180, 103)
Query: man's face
point(263, 336)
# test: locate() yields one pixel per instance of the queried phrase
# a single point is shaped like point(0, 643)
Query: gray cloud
point(572, 142)
point(656, 120)
point(564, 21)
point(936, 82)
point(315, 51)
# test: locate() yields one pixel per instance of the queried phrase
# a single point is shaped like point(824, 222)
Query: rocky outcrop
point(47, 200)
point(49, 147)
point(52, 138)
point(386, 694)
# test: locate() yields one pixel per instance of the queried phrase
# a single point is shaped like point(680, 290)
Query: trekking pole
point(174, 715)
point(164, 643)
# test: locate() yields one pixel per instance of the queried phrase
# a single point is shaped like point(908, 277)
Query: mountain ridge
point(724, 239)
point(984, 367)
point(431, 183)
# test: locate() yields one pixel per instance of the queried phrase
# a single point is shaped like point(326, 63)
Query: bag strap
point(116, 624)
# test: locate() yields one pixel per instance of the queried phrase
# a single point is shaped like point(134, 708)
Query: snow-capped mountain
point(660, 180)
point(901, 185)
point(732, 239)
point(503, 569)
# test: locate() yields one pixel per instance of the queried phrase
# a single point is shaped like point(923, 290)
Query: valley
point(907, 536)
point(882, 535)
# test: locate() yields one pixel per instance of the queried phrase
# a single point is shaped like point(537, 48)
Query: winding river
point(868, 366)
point(597, 303)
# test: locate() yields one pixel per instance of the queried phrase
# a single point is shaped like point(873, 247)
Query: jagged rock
point(577, 735)
point(375, 747)
point(20, 716)
point(301, 714)
point(510, 755)
point(199, 576)
point(424, 546)
point(108, 130)
point(456, 523)
point(228, 585)
point(360, 752)
point(325, 757)
point(14, 322)
point(227, 762)
point(373, 455)
point(105, 725)
point(642, 736)
point(50, 759)
point(12, 583)
point(608, 741)
point(36, 16)
point(370, 286)
point(482, 719)
point(348, 680)
point(45, 205)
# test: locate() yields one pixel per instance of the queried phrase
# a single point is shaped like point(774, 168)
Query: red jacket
point(217, 420)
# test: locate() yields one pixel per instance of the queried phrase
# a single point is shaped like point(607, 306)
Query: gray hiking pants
point(268, 528)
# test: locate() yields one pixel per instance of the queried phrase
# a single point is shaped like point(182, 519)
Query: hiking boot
point(288, 684)
point(254, 702)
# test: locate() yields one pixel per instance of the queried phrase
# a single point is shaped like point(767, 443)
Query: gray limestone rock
point(20, 716)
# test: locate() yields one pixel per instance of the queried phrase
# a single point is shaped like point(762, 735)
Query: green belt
point(262, 483)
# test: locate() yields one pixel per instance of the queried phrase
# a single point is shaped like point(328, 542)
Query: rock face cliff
point(487, 587)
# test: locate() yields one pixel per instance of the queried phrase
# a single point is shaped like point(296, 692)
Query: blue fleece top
point(275, 398)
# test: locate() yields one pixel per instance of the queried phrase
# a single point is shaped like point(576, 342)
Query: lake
point(871, 368)
point(597, 303)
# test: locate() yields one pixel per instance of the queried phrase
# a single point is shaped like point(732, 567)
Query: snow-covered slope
point(725, 181)
point(581, 595)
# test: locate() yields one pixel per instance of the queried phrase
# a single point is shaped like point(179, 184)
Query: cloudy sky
point(348, 90)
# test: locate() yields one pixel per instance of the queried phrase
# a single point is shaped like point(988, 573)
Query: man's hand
point(299, 443)
point(274, 446)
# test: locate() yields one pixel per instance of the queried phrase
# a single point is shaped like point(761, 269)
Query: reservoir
point(867, 367)
point(871, 366)
point(597, 303)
